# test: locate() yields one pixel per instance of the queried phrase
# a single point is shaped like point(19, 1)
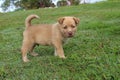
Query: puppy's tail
point(28, 20)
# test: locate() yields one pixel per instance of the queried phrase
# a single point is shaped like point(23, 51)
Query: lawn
point(93, 54)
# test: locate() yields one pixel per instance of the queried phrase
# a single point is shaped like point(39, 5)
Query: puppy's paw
point(62, 57)
point(34, 54)
point(26, 60)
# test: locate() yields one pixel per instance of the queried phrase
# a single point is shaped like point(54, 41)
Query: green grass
point(93, 54)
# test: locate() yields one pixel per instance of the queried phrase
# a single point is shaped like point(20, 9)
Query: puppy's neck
point(62, 34)
point(64, 38)
point(57, 31)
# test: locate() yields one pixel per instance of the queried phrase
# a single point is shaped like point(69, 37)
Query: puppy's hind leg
point(32, 52)
point(25, 48)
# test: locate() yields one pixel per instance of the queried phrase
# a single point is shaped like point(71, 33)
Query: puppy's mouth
point(70, 36)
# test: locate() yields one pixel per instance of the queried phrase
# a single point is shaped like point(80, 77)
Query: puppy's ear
point(61, 19)
point(77, 20)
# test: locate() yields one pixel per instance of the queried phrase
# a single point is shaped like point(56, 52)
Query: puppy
point(47, 34)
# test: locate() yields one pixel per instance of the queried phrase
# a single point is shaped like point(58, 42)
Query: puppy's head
point(68, 26)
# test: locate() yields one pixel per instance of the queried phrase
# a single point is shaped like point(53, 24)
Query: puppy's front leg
point(55, 53)
point(59, 50)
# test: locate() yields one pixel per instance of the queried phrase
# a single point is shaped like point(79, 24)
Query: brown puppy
point(47, 34)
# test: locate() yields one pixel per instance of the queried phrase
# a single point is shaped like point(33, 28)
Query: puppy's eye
point(73, 26)
point(65, 27)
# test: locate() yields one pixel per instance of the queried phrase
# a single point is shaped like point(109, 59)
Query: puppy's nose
point(70, 33)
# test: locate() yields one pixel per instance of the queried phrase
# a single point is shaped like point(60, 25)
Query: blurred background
point(14, 5)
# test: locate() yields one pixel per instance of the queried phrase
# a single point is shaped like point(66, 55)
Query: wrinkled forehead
point(68, 21)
